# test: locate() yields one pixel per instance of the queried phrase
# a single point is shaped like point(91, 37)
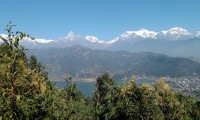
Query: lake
point(87, 88)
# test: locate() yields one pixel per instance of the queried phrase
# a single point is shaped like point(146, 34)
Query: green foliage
point(129, 101)
point(26, 93)
point(33, 63)
point(103, 96)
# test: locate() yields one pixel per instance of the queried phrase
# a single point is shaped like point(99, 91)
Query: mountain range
point(176, 42)
point(141, 52)
point(82, 62)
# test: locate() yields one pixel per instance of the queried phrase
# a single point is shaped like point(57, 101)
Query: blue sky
point(106, 19)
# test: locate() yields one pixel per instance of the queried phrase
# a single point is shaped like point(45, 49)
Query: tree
point(26, 93)
point(169, 102)
point(103, 96)
point(34, 64)
point(19, 84)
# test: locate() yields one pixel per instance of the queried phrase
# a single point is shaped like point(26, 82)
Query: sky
point(105, 19)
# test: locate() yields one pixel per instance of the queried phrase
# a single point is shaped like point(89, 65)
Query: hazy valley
point(82, 62)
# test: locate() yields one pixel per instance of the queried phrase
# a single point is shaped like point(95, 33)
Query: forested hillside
point(27, 93)
point(78, 61)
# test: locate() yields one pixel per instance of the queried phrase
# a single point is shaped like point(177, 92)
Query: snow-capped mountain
point(142, 40)
point(175, 42)
point(94, 39)
point(71, 36)
point(3, 35)
point(197, 34)
point(145, 33)
point(43, 41)
point(175, 33)
point(39, 41)
point(142, 34)
point(27, 40)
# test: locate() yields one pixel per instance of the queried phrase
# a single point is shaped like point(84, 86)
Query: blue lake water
point(87, 88)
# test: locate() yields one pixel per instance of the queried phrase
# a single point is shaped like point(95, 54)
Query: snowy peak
point(43, 41)
point(127, 34)
point(28, 40)
point(175, 33)
point(140, 34)
point(197, 34)
point(93, 39)
point(36, 41)
point(3, 35)
point(71, 36)
point(145, 33)
point(177, 30)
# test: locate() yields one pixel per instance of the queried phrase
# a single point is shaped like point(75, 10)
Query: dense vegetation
point(26, 93)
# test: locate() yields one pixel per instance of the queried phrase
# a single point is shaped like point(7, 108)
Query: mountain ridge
point(177, 42)
point(174, 33)
point(81, 62)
